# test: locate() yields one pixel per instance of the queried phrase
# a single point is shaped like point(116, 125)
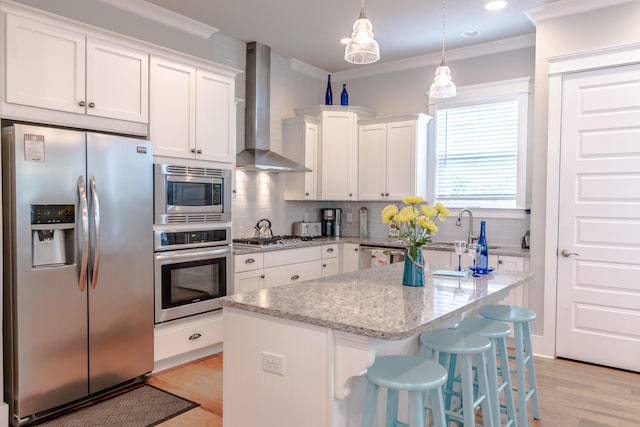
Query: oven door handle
point(181, 255)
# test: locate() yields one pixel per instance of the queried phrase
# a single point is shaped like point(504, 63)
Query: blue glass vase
point(344, 96)
point(328, 96)
point(413, 274)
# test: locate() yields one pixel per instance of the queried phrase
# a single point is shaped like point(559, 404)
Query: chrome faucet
point(470, 236)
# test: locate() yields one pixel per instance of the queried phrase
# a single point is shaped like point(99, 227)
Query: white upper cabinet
point(56, 68)
point(192, 113)
point(300, 144)
point(339, 148)
point(392, 158)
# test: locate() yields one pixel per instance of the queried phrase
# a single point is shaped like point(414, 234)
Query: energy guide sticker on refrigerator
point(34, 148)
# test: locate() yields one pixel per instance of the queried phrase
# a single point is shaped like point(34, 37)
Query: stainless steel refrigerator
point(78, 265)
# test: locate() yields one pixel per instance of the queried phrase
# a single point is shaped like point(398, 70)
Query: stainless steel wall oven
point(193, 270)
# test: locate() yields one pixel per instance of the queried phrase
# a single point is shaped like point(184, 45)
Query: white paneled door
point(598, 311)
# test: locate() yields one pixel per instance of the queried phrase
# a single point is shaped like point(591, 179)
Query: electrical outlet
point(273, 363)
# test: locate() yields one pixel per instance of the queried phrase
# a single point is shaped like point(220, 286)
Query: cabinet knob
point(500, 261)
point(350, 194)
point(195, 336)
point(199, 151)
point(249, 261)
point(81, 103)
point(262, 276)
point(381, 194)
point(295, 277)
point(386, 194)
point(356, 249)
point(91, 105)
point(324, 265)
point(306, 194)
point(193, 150)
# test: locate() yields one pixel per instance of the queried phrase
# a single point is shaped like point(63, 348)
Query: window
point(480, 149)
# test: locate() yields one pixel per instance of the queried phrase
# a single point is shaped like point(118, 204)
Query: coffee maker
point(331, 219)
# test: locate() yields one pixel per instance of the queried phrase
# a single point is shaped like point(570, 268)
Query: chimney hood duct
point(257, 154)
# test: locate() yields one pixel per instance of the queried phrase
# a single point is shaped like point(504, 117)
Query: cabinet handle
point(195, 336)
point(381, 194)
point(262, 276)
point(356, 249)
point(386, 194)
point(249, 261)
point(324, 265)
point(295, 277)
point(91, 105)
point(199, 151)
point(81, 103)
point(330, 250)
point(193, 150)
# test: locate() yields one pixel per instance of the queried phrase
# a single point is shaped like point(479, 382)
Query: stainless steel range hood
point(257, 154)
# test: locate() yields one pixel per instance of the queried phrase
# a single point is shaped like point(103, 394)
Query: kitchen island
point(294, 355)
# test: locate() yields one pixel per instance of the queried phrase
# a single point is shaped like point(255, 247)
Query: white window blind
point(477, 152)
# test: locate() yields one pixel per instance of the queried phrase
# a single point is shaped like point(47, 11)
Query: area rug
point(143, 406)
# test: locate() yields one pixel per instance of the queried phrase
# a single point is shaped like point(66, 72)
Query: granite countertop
point(374, 303)
point(388, 243)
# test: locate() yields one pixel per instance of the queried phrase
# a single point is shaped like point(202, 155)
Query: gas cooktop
point(261, 242)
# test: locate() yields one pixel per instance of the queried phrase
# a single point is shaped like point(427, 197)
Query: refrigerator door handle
point(84, 209)
point(96, 240)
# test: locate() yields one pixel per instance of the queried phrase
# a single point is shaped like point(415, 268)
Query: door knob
point(567, 253)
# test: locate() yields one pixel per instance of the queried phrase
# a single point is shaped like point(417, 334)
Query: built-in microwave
point(188, 194)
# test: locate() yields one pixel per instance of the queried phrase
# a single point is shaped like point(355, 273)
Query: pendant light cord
point(444, 12)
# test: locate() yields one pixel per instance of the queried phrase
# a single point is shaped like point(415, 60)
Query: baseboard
point(161, 365)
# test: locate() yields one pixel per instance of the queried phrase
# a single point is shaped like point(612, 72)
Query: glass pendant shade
point(362, 49)
point(443, 86)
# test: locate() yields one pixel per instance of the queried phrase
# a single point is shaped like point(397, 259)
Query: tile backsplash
point(260, 195)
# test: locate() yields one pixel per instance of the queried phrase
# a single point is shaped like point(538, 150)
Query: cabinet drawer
point(247, 262)
point(292, 256)
point(293, 273)
point(330, 251)
point(185, 336)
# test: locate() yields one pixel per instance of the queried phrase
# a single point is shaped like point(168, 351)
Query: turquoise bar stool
point(422, 379)
point(454, 348)
point(499, 380)
point(520, 317)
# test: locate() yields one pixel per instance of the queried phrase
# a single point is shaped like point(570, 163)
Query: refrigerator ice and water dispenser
point(52, 231)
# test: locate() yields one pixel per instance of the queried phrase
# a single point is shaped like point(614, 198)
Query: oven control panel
point(177, 239)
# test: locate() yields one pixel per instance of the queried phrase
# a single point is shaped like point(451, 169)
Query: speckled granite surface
point(374, 303)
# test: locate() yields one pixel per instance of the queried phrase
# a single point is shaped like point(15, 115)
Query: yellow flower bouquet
point(415, 222)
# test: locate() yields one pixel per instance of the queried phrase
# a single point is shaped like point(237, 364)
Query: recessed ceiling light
point(345, 40)
point(496, 4)
point(470, 33)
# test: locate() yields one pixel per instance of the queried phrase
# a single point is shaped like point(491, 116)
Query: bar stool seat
point(422, 379)
point(452, 347)
point(520, 317)
point(497, 332)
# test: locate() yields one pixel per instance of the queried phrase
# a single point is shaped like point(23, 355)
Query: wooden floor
point(572, 394)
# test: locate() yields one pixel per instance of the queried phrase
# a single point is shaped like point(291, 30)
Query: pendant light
point(362, 48)
point(443, 86)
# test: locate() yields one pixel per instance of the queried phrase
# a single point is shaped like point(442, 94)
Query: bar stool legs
point(459, 351)
point(422, 379)
point(520, 317)
point(497, 332)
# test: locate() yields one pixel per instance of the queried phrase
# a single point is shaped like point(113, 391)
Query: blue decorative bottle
point(328, 96)
point(344, 96)
point(483, 250)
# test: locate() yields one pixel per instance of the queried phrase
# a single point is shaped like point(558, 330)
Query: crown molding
point(308, 69)
point(163, 16)
point(562, 8)
point(434, 59)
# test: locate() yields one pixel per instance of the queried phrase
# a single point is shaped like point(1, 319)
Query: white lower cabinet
point(186, 339)
point(432, 256)
point(330, 260)
point(512, 263)
point(248, 273)
point(350, 257)
point(292, 273)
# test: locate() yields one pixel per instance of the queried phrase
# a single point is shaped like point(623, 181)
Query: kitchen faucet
point(470, 236)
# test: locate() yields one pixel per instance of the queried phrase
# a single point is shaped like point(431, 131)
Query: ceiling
point(310, 31)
